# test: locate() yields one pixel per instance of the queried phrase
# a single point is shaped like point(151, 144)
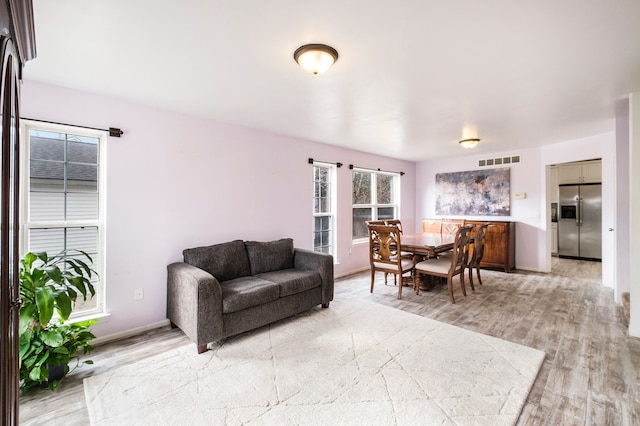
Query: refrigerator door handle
point(580, 218)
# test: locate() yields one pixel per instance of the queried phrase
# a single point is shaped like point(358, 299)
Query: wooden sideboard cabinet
point(500, 244)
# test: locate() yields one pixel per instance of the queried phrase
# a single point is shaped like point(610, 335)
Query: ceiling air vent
point(499, 161)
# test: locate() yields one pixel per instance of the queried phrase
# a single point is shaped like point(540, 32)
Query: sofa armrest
point(315, 261)
point(194, 302)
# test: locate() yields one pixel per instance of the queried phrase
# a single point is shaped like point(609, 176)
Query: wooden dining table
point(427, 244)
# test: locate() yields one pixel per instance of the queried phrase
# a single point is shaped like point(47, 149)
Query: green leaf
point(55, 274)
point(45, 302)
point(61, 350)
point(52, 338)
point(36, 374)
point(27, 313)
point(72, 265)
point(79, 284)
point(85, 335)
point(28, 260)
point(63, 304)
point(25, 347)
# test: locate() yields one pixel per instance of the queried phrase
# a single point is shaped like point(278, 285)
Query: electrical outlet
point(138, 294)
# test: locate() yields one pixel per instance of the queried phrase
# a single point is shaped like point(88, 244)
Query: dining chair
point(432, 225)
point(384, 246)
point(477, 253)
point(381, 222)
point(406, 254)
point(450, 226)
point(447, 267)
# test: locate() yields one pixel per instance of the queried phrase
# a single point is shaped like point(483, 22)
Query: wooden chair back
point(460, 257)
point(375, 222)
point(450, 226)
point(384, 245)
point(432, 225)
point(395, 222)
point(478, 244)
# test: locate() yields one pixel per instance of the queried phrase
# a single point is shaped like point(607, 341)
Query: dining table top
point(427, 243)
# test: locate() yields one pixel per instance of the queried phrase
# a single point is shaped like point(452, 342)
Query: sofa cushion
point(224, 261)
point(292, 281)
point(246, 292)
point(270, 256)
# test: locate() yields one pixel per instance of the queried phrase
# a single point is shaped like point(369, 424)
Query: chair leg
point(471, 278)
point(385, 278)
point(478, 273)
point(400, 286)
point(464, 290)
point(450, 287)
point(373, 276)
point(416, 282)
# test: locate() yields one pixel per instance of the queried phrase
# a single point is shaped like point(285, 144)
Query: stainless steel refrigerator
point(580, 221)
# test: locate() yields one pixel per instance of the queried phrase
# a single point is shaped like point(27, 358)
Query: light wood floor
point(591, 374)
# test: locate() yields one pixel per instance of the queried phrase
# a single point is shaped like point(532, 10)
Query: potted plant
point(48, 285)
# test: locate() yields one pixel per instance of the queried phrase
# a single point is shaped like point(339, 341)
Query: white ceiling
point(411, 77)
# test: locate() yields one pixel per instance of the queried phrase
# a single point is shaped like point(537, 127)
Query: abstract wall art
point(474, 193)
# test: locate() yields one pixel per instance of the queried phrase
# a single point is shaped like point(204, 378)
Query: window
point(324, 208)
point(63, 197)
point(375, 197)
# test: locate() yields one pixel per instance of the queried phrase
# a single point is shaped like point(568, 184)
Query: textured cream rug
point(354, 363)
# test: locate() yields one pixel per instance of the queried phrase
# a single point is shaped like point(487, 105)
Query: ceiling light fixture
point(315, 58)
point(469, 143)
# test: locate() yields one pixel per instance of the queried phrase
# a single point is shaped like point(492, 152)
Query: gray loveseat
point(230, 288)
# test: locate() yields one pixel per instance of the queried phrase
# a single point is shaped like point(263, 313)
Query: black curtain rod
point(351, 167)
point(113, 131)
point(327, 162)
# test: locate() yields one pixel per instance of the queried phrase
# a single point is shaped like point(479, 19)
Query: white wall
point(532, 214)
point(597, 146)
point(622, 203)
point(175, 181)
point(634, 194)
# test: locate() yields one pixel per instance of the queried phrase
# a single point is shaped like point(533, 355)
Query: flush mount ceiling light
point(469, 143)
point(315, 58)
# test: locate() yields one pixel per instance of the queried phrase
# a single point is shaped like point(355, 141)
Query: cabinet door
point(592, 172)
point(569, 173)
point(495, 247)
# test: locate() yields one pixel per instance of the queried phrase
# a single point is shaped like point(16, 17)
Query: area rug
point(355, 363)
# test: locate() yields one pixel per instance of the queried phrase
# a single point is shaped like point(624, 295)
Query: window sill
point(80, 318)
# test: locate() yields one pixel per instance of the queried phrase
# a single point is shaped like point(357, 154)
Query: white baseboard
point(357, 271)
point(524, 268)
point(128, 333)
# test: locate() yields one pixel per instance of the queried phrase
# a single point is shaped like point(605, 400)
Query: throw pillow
point(270, 256)
point(224, 261)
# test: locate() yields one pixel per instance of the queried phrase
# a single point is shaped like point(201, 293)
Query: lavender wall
point(530, 177)
point(176, 181)
point(527, 212)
